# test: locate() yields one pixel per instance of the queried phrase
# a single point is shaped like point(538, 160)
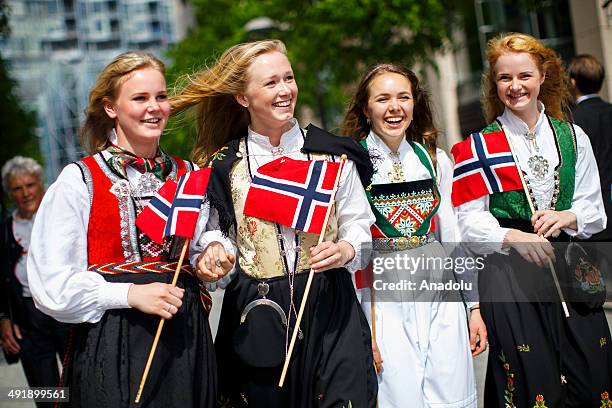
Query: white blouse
point(22, 231)
point(477, 224)
point(352, 207)
point(60, 283)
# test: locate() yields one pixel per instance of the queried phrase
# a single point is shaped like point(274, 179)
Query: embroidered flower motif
point(540, 402)
point(509, 391)
point(406, 211)
point(605, 400)
point(525, 348)
point(589, 277)
point(218, 155)
point(252, 227)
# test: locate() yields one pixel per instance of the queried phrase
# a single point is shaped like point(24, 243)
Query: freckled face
point(518, 81)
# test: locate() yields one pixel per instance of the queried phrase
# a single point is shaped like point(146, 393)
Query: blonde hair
point(554, 92)
point(94, 132)
point(219, 117)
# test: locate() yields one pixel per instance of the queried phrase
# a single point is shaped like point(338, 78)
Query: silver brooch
point(147, 185)
point(121, 188)
point(538, 166)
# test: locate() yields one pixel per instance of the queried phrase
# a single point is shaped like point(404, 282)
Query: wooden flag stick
point(551, 266)
point(161, 325)
point(296, 329)
point(373, 318)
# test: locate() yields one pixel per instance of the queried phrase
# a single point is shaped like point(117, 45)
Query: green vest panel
point(514, 204)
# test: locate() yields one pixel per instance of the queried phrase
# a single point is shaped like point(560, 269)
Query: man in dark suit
point(594, 116)
point(26, 332)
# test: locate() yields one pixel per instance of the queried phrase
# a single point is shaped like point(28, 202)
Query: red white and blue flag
point(295, 193)
point(483, 165)
point(175, 208)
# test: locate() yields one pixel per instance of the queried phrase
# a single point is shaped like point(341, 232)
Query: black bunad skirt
point(332, 364)
point(109, 357)
point(537, 356)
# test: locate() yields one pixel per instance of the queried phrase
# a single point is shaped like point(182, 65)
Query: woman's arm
point(60, 283)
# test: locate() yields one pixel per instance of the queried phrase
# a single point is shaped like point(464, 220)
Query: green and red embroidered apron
point(405, 211)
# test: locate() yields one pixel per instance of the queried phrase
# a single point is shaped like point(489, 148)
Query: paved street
point(12, 376)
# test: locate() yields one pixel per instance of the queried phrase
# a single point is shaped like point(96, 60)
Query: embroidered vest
point(514, 204)
point(405, 209)
point(112, 235)
point(259, 249)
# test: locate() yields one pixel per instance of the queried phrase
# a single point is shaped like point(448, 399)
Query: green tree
point(330, 43)
point(17, 125)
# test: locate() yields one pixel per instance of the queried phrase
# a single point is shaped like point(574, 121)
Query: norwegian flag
point(295, 193)
point(364, 278)
point(483, 165)
point(175, 208)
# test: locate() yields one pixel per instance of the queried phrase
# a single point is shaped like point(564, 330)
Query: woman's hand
point(330, 255)
point(10, 342)
point(547, 222)
point(214, 263)
point(478, 333)
point(377, 357)
point(531, 247)
point(156, 298)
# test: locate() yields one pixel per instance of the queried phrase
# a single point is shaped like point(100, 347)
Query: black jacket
point(11, 291)
point(594, 116)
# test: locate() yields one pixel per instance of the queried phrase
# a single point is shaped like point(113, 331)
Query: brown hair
point(587, 72)
point(421, 128)
point(219, 118)
point(554, 92)
point(97, 126)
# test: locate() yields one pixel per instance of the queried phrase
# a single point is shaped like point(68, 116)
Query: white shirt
point(585, 97)
point(22, 229)
point(61, 285)
point(477, 224)
point(352, 207)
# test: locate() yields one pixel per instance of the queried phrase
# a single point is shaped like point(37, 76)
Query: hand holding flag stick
point(296, 329)
point(160, 326)
point(551, 266)
point(173, 211)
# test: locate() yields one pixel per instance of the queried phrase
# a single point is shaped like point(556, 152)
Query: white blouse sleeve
point(587, 203)
point(478, 225)
point(60, 283)
point(354, 216)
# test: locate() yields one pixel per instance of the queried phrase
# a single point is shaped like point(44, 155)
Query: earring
point(368, 121)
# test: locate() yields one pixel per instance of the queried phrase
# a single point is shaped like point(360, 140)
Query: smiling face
point(26, 191)
point(390, 107)
point(270, 94)
point(518, 81)
point(140, 110)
